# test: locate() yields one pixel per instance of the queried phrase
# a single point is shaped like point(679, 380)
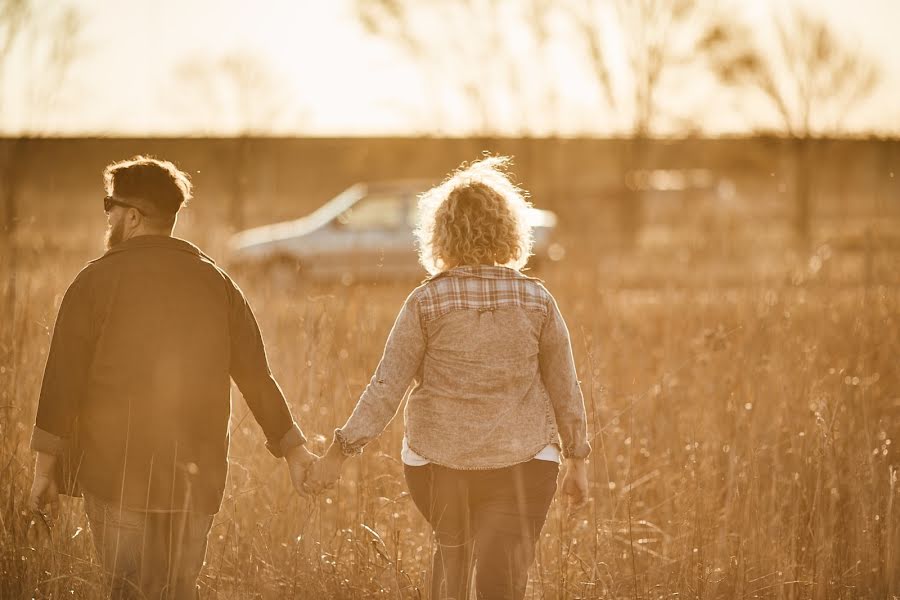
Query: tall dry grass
point(744, 438)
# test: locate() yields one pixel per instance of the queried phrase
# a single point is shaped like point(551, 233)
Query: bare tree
point(657, 41)
point(13, 16)
point(466, 46)
point(37, 49)
point(811, 81)
point(237, 92)
point(243, 96)
point(39, 52)
point(464, 52)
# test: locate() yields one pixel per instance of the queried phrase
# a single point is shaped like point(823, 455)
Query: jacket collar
point(156, 241)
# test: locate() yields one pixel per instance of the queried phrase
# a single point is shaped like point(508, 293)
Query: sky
point(154, 67)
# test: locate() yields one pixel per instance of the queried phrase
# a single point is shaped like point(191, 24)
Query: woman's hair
point(476, 216)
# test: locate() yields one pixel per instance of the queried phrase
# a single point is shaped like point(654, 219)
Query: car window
point(376, 212)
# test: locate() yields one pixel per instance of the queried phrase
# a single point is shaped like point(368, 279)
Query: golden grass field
point(745, 435)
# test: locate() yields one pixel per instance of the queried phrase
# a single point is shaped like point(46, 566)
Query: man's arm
point(250, 370)
point(64, 384)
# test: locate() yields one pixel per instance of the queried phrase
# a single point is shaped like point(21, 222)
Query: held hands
point(575, 484)
point(325, 472)
point(299, 459)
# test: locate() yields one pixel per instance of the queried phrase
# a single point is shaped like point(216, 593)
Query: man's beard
point(115, 233)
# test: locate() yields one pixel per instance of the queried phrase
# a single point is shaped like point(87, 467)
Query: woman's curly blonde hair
point(476, 216)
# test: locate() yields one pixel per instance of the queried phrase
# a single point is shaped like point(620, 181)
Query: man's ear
point(134, 218)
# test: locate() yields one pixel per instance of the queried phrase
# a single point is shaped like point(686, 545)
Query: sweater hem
point(459, 467)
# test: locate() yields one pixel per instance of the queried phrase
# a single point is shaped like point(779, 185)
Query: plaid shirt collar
point(479, 288)
point(483, 272)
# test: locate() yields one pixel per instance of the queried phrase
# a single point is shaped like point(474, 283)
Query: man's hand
point(44, 491)
point(326, 471)
point(575, 484)
point(299, 459)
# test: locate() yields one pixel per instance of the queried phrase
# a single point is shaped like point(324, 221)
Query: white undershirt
point(550, 452)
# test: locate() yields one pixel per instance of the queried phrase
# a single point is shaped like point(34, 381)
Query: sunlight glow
point(317, 71)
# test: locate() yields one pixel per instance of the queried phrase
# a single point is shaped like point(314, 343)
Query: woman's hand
point(324, 473)
point(575, 484)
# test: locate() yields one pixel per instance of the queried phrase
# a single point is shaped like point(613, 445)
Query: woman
point(494, 389)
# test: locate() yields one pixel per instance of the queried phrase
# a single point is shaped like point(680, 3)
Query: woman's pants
point(489, 518)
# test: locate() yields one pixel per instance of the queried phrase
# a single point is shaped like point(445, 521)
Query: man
point(137, 389)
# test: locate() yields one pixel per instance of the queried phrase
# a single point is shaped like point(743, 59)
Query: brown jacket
point(138, 379)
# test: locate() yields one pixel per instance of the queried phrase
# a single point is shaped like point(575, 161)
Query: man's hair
point(476, 216)
point(158, 183)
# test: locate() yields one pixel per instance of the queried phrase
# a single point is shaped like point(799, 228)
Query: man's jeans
point(148, 554)
point(492, 517)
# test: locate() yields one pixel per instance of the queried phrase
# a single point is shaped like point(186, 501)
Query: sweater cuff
point(347, 448)
point(293, 438)
point(582, 450)
point(48, 443)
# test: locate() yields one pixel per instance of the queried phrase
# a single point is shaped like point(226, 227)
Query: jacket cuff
point(293, 438)
point(48, 443)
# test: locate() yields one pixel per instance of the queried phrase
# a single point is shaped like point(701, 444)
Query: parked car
point(365, 231)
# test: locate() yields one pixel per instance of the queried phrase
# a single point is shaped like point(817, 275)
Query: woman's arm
point(561, 380)
point(403, 354)
point(558, 373)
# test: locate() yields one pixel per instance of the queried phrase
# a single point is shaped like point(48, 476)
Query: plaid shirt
point(480, 288)
point(493, 378)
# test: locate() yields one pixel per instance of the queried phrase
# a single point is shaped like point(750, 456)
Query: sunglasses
point(109, 202)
